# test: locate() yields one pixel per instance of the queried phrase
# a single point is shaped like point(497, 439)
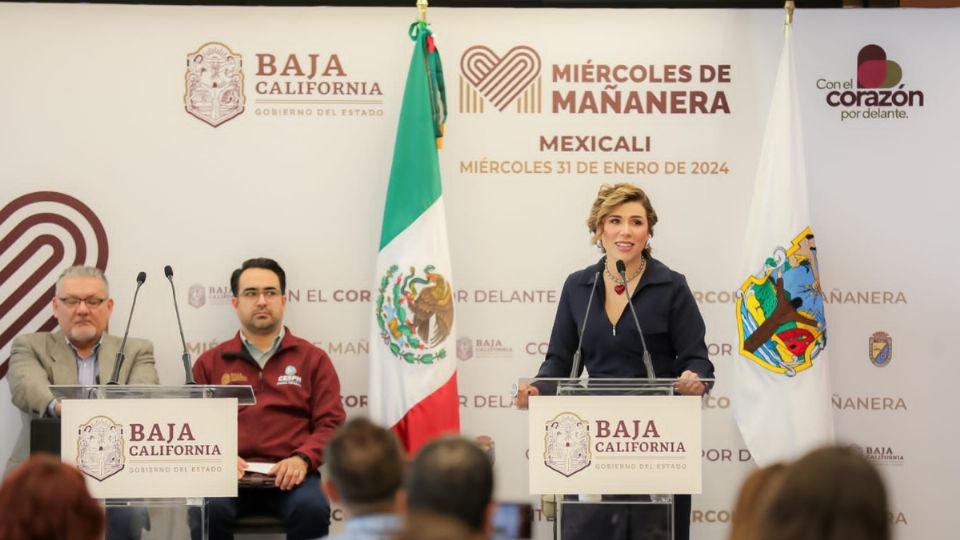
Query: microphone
point(647, 362)
point(167, 271)
point(575, 368)
point(141, 277)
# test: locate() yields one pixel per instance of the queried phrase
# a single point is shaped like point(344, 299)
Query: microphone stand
point(141, 277)
point(188, 373)
point(647, 362)
point(577, 361)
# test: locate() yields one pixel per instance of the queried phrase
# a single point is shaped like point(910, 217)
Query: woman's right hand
point(521, 400)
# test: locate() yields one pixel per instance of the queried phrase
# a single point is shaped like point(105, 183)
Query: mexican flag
point(781, 385)
point(413, 375)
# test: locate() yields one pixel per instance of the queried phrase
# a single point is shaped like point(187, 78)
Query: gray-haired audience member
point(365, 466)
point(453, 477)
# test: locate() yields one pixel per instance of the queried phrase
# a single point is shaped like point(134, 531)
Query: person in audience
point(365, 467)
point(755, 493)
point(423, 525)
point(453, 477)
point(46, 499)
point(832, 493)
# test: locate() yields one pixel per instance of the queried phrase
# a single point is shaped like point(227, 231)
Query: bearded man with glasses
point(283, 435)
point(80, 352)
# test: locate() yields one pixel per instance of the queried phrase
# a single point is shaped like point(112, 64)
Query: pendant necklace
point(621, 285)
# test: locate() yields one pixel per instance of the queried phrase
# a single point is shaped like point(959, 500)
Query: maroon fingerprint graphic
point(36, 218)
point(500, 79)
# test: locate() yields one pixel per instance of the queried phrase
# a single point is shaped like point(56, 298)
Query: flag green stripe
point(415, 173)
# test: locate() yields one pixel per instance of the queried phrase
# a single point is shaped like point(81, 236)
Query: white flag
point(781, 386)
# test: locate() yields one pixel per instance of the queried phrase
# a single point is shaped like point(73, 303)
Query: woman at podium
point(615, 311)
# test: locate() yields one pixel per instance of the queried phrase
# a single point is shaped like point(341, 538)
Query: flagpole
point(422, 8)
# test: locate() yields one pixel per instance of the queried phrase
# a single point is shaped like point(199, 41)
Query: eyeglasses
point(90, 301)
point(254, 294)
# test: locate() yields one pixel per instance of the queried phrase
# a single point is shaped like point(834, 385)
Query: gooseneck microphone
point(575, 368)
point(647, 362)
point(141, 277)
point(188, 373)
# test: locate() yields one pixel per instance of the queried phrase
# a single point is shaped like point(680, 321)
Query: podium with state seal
point(153, 448)
point(613, 454)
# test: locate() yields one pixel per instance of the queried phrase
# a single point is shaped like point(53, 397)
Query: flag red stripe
point(436, 415)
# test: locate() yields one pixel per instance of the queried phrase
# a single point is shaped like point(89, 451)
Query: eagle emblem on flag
point(415, 313)
point(780, 319)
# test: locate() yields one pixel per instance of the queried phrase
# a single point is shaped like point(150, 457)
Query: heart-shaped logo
point(39, 231)
point(875, 71)
point(500, 79)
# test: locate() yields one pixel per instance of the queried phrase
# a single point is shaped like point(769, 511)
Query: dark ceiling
point(540, 3)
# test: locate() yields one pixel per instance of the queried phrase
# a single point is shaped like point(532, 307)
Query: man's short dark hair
point(365, 463)
point(259, 262)
point(452, 476)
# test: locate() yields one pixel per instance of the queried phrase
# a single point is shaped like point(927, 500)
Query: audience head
point(755, 492)
point(452, 476)
point(365, 466)
point(46, 499)
point(430, 526)
point(832, 493)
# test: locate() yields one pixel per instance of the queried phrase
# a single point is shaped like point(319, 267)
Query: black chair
point(259, 524)
point(45, 435)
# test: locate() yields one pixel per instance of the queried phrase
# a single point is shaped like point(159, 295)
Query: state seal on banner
point(567, 444)
point(780, 320)
point(415, 313)
point(197, 296)
point(881, 348)
point(464, 348)
point(214, 84)
point(100, 448)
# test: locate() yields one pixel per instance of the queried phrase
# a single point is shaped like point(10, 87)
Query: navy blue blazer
point(668, 314)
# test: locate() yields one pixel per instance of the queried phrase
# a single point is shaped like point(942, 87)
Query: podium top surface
point(605, 386)
point(619, 381)
point(243, 393)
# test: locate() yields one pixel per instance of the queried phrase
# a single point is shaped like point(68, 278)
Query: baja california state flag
point(413, 377)
point(781, 385)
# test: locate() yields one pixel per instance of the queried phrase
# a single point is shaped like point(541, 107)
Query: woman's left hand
point(689, 384)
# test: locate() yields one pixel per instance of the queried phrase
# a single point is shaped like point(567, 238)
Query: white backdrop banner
point(201, 136)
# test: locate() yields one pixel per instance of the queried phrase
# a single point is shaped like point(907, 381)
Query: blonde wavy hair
point(612, 196)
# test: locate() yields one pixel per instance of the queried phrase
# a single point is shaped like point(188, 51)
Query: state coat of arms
point(100, 448)
point(567, 444)
point(881, 348)
point(214, 81)
point(780, 318)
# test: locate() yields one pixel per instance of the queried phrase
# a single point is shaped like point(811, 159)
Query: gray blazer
point(39, 360)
